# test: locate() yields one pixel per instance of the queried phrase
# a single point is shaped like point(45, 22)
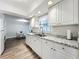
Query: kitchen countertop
point(60, 40)
point(31, 34)
point(69, 43)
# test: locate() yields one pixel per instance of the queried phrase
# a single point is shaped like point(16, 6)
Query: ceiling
point(29, 8)
point(43, 8)
point(54, 2)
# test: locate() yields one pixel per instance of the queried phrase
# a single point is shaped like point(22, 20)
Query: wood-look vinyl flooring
point(16, 49)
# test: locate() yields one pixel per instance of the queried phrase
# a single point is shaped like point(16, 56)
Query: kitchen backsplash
point(62, 30)
point(35, 29)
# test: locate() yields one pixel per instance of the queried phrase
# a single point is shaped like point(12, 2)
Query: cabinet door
point(1, 41)
point(66, 52)
point(67, 12)
point(76, 16)
point(38, 46)
point(27, 39)
point(59, 14)
point(52, 15)
point(32, 42)
point(58, 55)
point(70, 52)
point(45, 50)
point(1, 20)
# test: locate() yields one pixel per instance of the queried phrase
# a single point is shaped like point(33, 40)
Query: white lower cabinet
point(58, 51)
point(57, 55)
point(27, 39)
point(38, 46)
point(2, 41)
point(50, 50)
point(35, 43)
point(46, 49)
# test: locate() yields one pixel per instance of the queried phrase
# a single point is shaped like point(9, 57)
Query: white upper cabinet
point(67, 12)
point(76, 16)
point(52, 15)
point(59, 14)
point(64, 13)
point(70, 12)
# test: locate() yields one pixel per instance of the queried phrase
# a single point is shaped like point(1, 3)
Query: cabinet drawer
point(66, 50)
point(71, 51)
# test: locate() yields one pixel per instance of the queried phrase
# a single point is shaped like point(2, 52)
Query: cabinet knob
point(51, 48)
point(54, 49)
point(62, 48)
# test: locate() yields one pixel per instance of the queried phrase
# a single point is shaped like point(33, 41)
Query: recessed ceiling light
point(22, 20)
point(50, 2)
point(39, 12)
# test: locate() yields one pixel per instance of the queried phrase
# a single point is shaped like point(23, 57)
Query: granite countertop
point(31, 34)
point(63, 37)
point(69, 43)
point(60, 39)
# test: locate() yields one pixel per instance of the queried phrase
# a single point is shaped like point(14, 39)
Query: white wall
point(13, 26)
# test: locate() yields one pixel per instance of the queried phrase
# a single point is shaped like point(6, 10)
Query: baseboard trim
point(11, 38)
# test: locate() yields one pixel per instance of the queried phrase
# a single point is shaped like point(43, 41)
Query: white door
point(76, 11)
point(71, 52)
point(1, 20)
point(30, 41)
point(1, 41)
point(60, 14)
point(55, 54)
point(38, 46)
point(33, 42)
point(58, 55)
point(27, 38)
point(52, 15)
point(45, 50)
point(67, 12)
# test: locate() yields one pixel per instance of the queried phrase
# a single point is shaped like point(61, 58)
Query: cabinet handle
point(62, 48)
point(2, 30)
point(51, 48)
point(54, 49)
